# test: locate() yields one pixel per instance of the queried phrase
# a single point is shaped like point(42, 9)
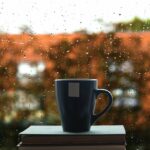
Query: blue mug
point(76, 103)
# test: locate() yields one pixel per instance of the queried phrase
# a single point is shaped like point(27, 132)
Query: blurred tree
point(82, 31)
point(135, 25)
point(26, 29)
point(78, 56)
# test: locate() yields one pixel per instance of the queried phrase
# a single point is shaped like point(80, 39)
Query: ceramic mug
point(76, 101)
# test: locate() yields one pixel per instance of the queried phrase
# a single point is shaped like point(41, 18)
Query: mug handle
point(110, 100)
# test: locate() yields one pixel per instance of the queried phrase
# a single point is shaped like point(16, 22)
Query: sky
point(67, 16)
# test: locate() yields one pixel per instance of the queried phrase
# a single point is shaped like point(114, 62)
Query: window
point(127, 94)
point(103, 39)
point(29, 72)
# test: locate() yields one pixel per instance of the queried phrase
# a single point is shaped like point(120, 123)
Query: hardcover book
point(54, 135)
point(85, 147)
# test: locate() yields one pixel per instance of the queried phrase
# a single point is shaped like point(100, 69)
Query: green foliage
point(135, 25)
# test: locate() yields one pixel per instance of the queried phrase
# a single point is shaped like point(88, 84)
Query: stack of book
point(110, 137)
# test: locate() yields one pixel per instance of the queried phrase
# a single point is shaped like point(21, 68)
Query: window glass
point(41, 41)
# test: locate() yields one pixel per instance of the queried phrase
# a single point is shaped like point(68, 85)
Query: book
point(54, 135)
point(85, 147)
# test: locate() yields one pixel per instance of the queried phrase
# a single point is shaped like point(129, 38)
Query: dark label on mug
point(73, 89)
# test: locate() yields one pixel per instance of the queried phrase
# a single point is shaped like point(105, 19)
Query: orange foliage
point(78, 56)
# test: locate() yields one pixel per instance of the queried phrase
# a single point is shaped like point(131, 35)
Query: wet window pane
point(41, 41)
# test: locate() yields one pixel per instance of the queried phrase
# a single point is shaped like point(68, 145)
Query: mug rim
point(77, 79)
